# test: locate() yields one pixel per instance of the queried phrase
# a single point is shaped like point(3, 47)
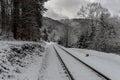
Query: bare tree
point(92, 11)
point(98, 33)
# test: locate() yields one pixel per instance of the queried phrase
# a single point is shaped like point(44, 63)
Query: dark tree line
point(22, 18)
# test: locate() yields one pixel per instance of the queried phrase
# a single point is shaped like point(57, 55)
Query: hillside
point(55, 29)
point(83, 33)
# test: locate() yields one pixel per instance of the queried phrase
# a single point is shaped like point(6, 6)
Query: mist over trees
point(22, 19)
point(95, 29)
point(101, 33)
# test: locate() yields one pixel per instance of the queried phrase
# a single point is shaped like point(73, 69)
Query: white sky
point(59, 9)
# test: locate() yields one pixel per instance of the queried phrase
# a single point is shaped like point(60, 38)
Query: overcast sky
point(59, 9)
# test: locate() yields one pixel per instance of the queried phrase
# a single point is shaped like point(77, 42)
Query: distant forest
point(95, 29)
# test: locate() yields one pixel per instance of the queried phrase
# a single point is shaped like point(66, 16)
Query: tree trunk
point(16, 14)
point(3, 15)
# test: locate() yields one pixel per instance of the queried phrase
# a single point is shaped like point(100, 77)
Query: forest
point(21, 19)
point(59, 40)
point(95, 28)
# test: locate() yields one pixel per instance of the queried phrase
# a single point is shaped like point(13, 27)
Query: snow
point(31, 72)
point(106, 63)
point(77, 69)
point(53, 69)
point(21, 60)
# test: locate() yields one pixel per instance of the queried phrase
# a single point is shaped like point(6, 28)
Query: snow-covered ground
point(38, 61)
point(107, 63)
point(77, 69)
point(21, 60)
point(53, 69)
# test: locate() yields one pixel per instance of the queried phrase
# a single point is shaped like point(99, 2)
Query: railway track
point(104, 77)
point(70, 76)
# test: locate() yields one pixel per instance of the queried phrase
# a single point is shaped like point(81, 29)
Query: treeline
point(95, 29)
point(21, 19)
point(102, 34)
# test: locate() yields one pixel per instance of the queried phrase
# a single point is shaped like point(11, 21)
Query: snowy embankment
point(107, 63)
point(21, 60)
point(53, 69)
point(77, 69)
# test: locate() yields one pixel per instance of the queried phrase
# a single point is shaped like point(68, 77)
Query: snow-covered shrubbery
point(14, 58)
